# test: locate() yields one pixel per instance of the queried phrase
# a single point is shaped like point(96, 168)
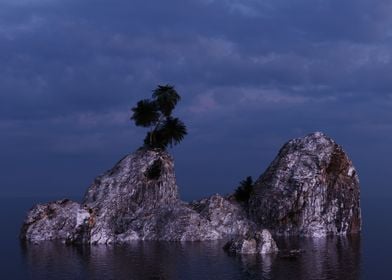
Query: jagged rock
point(226, 215)
point(173, 223)
point(311, 188)
point(136, 200)
point(60, 220)
point(259, 242)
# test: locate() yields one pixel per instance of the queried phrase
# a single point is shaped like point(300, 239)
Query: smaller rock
point(226, 215)
point(255, 243)
point(291, 254)
point(62, 220)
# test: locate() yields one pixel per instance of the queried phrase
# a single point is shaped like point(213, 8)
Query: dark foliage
point(243, 191)
point(156, 113)
point(145, 113)
point(166, 98)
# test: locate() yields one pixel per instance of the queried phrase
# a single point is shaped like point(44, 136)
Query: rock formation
point(60, 220)
point(136, 200)
point(226, 215)
point(311, 188)
point(260, 242)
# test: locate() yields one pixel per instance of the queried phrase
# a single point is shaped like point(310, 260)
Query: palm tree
point(166, 98)
point(156, 113)
point(173, 131)
point(242, 193)
point(145, 113)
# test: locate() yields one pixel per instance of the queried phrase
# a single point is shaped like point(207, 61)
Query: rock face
point(136, 200)
point(60, 220)
point(226, 215)
point(311, 188)
point(260, 242)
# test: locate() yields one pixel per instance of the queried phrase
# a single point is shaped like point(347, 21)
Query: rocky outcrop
point(260, 242)
point(311, 188)
point(136, 200)
point(60, 220)
point(226, 215)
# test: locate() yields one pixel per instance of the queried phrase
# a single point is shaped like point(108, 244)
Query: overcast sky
point(252, 74)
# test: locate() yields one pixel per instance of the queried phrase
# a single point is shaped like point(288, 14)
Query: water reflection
point(329, 258)
point(324, 258)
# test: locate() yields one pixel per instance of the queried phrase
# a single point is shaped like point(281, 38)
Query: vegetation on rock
point(156, 114)
point(243, 191)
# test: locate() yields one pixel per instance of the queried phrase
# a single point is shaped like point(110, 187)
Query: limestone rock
point(259, 242)
point(136, 200)
point(60, 220)
point(311, 188)
point(174, 223)
point(226, 215)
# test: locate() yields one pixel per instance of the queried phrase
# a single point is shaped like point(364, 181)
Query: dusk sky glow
point(252, 75)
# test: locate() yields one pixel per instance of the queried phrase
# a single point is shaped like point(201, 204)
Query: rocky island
point(311, 189)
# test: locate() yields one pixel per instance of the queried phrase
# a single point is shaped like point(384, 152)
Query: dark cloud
point(252, 74)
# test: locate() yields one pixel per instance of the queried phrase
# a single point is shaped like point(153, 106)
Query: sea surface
point(367, 256)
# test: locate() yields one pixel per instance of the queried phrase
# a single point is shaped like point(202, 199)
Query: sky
point(252, 75)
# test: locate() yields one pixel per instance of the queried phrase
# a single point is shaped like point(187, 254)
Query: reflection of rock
point(323, 258)
point(260, 265)
point(311, 188)
point(333, 257)
point(256, 243)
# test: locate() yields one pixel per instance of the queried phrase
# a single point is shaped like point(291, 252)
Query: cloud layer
point(252, 74)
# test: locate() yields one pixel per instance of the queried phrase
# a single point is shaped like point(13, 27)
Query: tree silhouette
point(242, 193)
point(156, 113)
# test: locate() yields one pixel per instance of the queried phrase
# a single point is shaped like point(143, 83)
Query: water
point(359, 257)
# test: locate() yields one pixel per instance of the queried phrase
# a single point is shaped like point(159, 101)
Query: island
point(310, 189)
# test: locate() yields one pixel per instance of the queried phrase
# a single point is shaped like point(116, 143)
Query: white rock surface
point(311, 188)
point(60, 220)
point(225, 214)
point(123, 204)
point(259, 242)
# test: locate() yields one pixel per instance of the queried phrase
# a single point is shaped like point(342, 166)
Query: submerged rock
point(291, 254)
point(259, 242)
point(311, 188)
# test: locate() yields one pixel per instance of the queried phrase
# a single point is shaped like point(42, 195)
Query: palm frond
point(145, 113)
point(167, 98)
point(173, 131)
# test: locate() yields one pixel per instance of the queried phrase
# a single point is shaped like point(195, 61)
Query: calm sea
point(368, 256)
